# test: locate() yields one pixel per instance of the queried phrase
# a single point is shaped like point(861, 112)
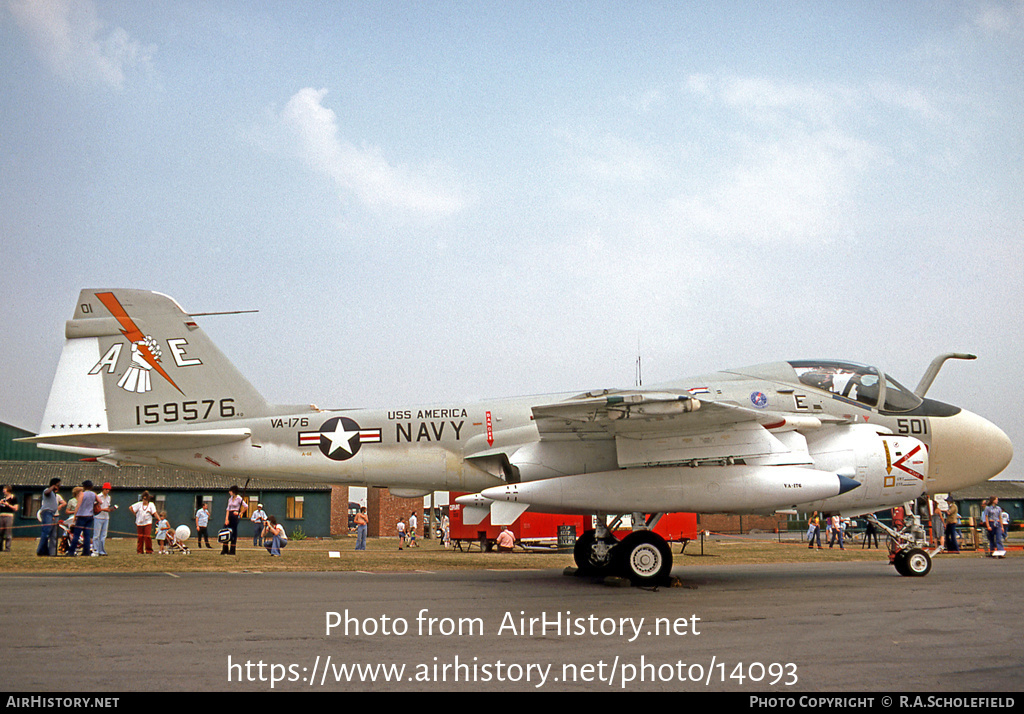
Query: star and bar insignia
point(339, 438)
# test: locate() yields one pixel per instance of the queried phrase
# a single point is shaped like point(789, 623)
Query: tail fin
point(134, 358)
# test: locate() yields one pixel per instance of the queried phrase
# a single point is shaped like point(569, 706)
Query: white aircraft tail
point(133, 359)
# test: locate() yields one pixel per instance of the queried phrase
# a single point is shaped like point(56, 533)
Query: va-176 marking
point(289, 423)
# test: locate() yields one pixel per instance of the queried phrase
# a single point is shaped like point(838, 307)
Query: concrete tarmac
point(785, 628)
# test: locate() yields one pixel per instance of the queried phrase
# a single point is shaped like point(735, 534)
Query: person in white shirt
point(837, 531)
point(274, 532)
point(144, 510)
point(258, 518)
point(412, 530)
point(202, 523)
point(101, 522)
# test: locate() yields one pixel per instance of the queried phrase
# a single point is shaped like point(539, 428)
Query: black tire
point(899, 561)
point(587, 561)
point(644, 557)
point(918, 563)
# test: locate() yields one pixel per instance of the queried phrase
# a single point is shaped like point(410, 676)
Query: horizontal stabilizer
point(505, 514)
point(142, 440)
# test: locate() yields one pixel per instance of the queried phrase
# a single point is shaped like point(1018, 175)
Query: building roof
point(999, 489)
point(39, 473)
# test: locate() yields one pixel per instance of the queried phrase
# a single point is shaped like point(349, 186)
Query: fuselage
point(471, 447)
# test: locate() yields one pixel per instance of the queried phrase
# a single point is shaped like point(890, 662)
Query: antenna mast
point(639, 376)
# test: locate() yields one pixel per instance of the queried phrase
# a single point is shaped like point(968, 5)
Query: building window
point(254, 501)
point(294, 510)
point(30, 505)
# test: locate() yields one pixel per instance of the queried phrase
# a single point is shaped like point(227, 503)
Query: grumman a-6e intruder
point(140, 382)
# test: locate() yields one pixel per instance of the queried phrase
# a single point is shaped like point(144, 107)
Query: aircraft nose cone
point(1000, 450)
point(966, 449)
point(994, 450)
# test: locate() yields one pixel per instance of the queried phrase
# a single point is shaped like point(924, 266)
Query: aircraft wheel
point(644, 557)
point(917, 563)
point(899, 561)
point(591, 560)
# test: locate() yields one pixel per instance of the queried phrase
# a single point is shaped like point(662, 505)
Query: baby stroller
point(175, 540)
point(63, 529)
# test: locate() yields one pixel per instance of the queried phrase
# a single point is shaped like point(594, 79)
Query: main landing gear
point(643, 557)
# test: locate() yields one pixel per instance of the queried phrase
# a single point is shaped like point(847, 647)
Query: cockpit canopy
point(857, 383)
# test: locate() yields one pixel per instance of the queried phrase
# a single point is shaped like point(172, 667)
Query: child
point(411, 532)
point(162, 527)
point(401, 533)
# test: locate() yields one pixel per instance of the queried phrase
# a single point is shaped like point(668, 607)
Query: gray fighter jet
point(140, 382)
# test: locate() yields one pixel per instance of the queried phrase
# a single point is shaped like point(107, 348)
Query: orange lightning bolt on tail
point(131, 331)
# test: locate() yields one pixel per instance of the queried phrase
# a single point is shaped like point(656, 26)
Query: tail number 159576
point(196, 410)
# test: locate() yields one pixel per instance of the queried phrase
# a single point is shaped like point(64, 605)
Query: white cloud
point(72, 39)
point(646, 101)
point(363, 170)
point(821, 104)
point(795, 157)
point(614, 159)
point(797, 187)
point(761, 94)
point(1001, 18)
point(699, 84)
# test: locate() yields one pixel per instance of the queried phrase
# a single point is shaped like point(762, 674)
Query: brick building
point(724, 523)
point(384, 511)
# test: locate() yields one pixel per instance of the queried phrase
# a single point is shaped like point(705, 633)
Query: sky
point(435, 202)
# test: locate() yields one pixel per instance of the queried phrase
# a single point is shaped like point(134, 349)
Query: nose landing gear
point(913, 562)
point(908, 551)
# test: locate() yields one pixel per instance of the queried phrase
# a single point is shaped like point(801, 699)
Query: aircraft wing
point(618, 412)
point(142, 440)
point(668, 428)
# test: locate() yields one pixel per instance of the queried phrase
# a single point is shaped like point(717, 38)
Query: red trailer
point(529, 527)
point(546, 527)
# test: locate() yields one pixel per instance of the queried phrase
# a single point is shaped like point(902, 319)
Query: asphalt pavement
point(785, 628)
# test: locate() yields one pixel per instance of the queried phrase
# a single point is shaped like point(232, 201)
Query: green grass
point(382, 555)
